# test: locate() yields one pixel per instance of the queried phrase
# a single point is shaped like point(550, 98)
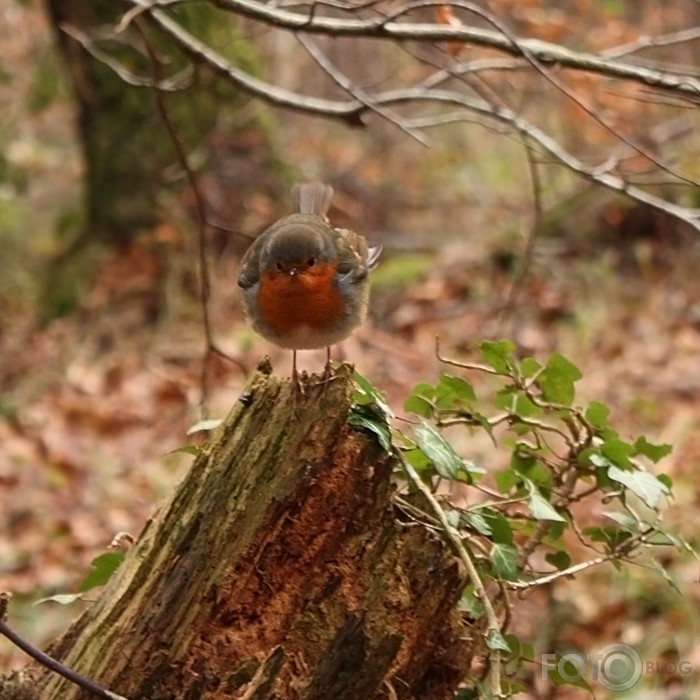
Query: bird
point(305, 283)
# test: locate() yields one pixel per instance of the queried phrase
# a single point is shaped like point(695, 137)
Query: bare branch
point(340, 80)
point(48, 661)
point(351, 111)
point(645, 42)
point(455, 540)
point(177, 82)
point(544, 52)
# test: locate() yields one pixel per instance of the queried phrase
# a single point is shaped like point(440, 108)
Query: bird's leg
point(327, 370)
point(296, 379)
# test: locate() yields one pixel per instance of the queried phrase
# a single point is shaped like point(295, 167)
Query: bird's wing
point(249, 274)
point(355, 258)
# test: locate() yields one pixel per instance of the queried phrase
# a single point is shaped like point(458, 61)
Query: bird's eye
point(279, 267)
point(311, 262)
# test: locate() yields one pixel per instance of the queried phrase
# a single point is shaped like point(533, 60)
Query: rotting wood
point(277, 569)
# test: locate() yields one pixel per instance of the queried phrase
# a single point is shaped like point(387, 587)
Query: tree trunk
point(278, 569)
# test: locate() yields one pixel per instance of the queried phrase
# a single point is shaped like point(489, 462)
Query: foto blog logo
point(616, 667)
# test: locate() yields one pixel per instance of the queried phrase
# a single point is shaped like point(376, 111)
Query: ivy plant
point(515, 519)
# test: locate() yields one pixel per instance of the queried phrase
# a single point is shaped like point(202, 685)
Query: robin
point(304, 282)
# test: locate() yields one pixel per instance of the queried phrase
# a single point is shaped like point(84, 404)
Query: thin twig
point(200, 208)
point(454, 538)
point(48, 661)
point(530, 241)
point(355, 92)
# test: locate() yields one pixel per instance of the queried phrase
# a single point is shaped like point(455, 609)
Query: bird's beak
point(293, 271)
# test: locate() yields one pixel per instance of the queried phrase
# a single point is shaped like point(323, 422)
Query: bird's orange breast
point(309, 299)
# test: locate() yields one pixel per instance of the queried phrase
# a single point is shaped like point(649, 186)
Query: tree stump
point(278, 570)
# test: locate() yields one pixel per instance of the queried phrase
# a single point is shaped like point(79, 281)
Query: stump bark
point(278, 570)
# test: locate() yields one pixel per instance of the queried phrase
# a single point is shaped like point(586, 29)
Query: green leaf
point(370, 418)
point(504, 559)
point(567, 673)
point(540, 507)
point(644, 485)
point(515, 402)
point(618, 452)
point(501, 530)
point(530, 468)
point(559, 560)
point(610, 535)
point(557, 380)
point(61, 598)
point(497, 642)
point(366, 393)
point(653, 452)
point(529, 367)
point(417, 459)
point(666, 480)
point(597, 415)
point(624, 520)
point(448, 463)
point(102, 569)
point(514, 644)
point(498, 354)
point(461, 388)
point(205, 425)
point(427, 391)
point(478, 522)
point(507, 479)
point(418, 405)
point(469, 603)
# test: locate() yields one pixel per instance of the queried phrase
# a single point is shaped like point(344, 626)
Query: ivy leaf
point(504, 559)
point(507, 479)
point(456, 386)
point(559, 560)
point(497, 642)
point(653, 452)
point(515, 402)
point(102, 569)
point(418, 405)
point(369, 417)
point(557, 380)
point(501, 530)
point(567, 673)
point(420, 400)
point(447, 462)
point(540, 507)
point(366, 393)
point(497, 354)
point(597, 415)
point(478, 522)
point(618, 452)
point(417, 459)
point(470, 603)
point(529, 367)
point(624, 520)
point(644, 485)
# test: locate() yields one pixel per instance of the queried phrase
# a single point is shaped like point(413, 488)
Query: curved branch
point(351, 111)
point(544, 52)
